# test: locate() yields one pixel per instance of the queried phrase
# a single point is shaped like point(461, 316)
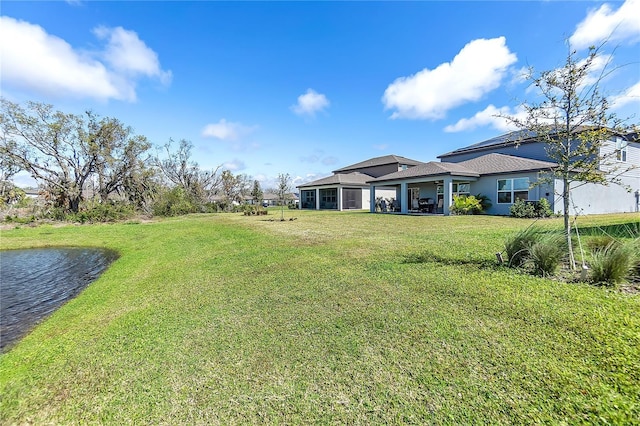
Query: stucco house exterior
point(348, 187)
point(503, 169)
point(508, 168)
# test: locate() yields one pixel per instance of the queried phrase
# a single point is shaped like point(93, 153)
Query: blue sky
point(305, 88)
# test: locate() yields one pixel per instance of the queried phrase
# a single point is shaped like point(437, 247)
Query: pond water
point(36, 282)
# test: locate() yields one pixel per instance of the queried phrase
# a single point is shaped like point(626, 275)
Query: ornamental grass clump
point(518, 245)
point(614, 263)
point(546, 253)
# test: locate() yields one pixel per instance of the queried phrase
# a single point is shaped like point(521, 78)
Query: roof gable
point(432, 168)
point(355, 178)
point(380, 161)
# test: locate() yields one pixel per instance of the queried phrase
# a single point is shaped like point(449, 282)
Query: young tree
point(283, 191)
point(256, 193)
point(574, 120)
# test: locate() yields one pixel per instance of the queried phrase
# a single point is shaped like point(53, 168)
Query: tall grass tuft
point(613, 264)
point(517, 246)
point(546, 253)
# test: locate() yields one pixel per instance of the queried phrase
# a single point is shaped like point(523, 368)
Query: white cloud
point(310, 103)
point(631, 95)
point(234, 165)
point(46, 64)
point(476, 70)
point(490, 116)
point(126, 53)
point(605, 23)
point(226, 131)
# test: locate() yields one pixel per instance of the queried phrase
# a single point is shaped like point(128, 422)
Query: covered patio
point(425, 189)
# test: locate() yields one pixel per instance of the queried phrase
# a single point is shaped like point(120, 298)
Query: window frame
point(621, 150)
point(512, 191)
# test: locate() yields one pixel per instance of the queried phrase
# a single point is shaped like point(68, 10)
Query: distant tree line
point(87, 162)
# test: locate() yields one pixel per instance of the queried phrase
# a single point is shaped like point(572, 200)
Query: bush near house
point(464, 205)
point(531, 209)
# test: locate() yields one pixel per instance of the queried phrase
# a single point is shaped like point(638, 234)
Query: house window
point(458, 189)
point(510, 190)
point(621, 150)
point(461, 188)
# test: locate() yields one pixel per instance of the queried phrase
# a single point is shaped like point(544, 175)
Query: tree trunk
point(74, 204)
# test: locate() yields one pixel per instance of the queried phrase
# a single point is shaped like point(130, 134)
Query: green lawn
point(329, 319)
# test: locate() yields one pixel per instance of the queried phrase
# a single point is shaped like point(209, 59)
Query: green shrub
point(531, 209)
point(613, 264)
point(543, 208)
point(465, 205)
point(174, 202)
point(522, 209)
point(485, 202)
point(546, 253)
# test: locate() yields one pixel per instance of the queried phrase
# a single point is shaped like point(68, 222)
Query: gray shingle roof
point(484, 165)
point(380, 161)
point(500, 163)
point(355, 178)
point(432, 168)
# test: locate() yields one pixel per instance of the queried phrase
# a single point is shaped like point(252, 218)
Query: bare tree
point(233, 187)
point(574, 120)
point(123, 157)
point(180, 170)
point(8, 169)
point(64, 151)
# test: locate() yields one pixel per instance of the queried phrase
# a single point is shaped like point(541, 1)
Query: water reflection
point(35, 282)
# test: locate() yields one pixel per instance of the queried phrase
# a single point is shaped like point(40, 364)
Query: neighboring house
point(272, 199)
point(506, 171)
point(348, 187)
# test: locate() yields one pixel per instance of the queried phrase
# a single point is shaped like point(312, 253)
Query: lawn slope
point(330, 318)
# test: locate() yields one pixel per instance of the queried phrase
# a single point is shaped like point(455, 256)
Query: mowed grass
point(332, 318)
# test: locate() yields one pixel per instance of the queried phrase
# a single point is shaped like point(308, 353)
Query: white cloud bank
point(310, 103)
point(605, 23)
point(490, 116)
point(475, 71)
point(226, 131)
point(631, 95)
point(39, 62)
